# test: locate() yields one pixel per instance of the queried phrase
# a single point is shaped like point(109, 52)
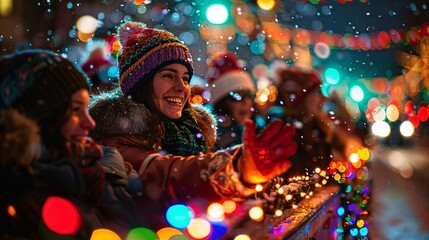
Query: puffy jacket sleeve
point(211, 175)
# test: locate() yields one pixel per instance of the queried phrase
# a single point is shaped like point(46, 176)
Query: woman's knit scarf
point(183, 136)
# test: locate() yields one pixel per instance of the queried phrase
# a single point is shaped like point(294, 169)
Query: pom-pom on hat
point(146, 50)
point(225, 75)
point(96, 63)
point(37, 82)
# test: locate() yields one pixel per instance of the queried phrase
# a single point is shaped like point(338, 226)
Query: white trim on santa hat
point(229, 82)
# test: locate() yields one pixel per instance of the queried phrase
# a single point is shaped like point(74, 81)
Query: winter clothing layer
point(38, 82)
point(30, 180)
point(166, 178)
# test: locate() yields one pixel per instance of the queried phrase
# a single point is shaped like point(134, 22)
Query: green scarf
point(183, 136)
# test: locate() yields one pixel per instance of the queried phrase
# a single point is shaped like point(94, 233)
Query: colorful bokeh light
point(61, 216)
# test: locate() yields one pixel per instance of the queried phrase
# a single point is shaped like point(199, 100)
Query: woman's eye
point(76, 109)
point(168, 75)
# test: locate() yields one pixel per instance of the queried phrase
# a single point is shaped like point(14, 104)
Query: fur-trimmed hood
point(119, 115)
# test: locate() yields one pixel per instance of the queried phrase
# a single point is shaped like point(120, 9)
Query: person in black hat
point(53, 93)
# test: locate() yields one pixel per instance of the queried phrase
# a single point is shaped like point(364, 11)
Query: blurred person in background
point(232, 93)
point(100, 68)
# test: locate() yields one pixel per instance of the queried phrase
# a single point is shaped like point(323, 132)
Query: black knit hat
point(38, 82)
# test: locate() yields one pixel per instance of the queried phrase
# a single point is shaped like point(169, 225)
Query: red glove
point(266, 155)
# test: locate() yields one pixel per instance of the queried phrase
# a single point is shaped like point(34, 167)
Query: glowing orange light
point(11, 210)
point(116, 45)
point(229, 206)
point(215, 211)
point(364, 154)
point(104, 234)
point(199, 228)
point(266, 4)
point(242, 237)
point(256, 213)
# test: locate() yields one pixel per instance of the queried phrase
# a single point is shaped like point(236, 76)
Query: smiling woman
point(63, 192)
point(168, 140)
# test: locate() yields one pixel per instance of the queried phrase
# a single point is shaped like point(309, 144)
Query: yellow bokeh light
point(167, 233)
point(406, 129)
point(199, 228)
point(354, 158)
point(104, 234)
point(5, 7)
point(392, 113)
point(337, 177)
point(357, 164)
point(215, 211)
point(229, 206)
point(259, 188)
point(242, 237)
point(360, 223)
point(197, 99)
point(364, 154)
point(278, 212)
point(116, 45)
point(256, 213)
point(87, 24)
point(266, 4)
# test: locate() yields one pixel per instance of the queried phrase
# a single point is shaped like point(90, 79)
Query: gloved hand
point(266, 155)
point(87, 156)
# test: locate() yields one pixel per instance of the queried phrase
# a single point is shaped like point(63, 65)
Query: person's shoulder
point(204, 113)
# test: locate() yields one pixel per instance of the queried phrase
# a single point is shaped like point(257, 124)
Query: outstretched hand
point(266, 154)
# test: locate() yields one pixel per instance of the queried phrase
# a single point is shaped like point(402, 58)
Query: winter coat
point(26, 186)
point(27, 192)
point(118, 208)
point(166, 179)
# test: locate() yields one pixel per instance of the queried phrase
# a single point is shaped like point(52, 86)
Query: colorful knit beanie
point(225, 75)
point(146, 50)
point(38, 82)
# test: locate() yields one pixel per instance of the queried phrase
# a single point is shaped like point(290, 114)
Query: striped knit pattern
point(145, 53)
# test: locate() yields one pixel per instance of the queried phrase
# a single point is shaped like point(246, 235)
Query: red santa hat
point(297, 81)
point(225, 75)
